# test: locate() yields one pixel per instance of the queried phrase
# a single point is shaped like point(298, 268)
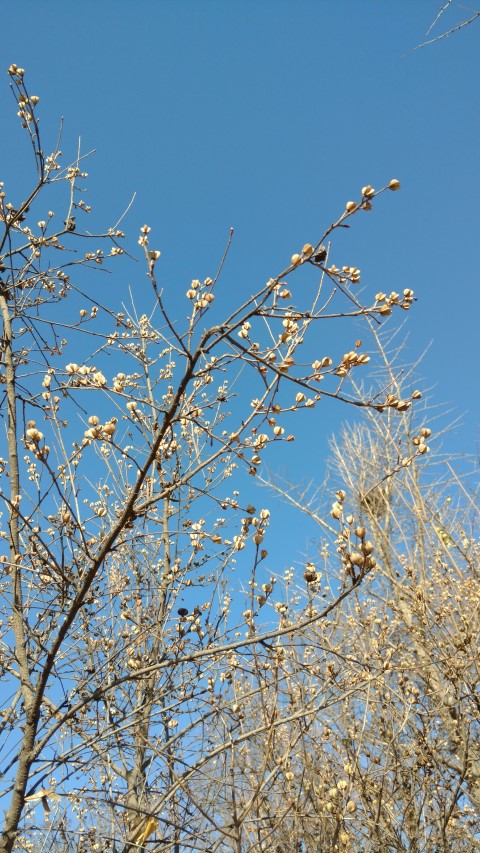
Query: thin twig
point(442, 10)
point(448, 33)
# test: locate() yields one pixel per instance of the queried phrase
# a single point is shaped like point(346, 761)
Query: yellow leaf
point(145, 829)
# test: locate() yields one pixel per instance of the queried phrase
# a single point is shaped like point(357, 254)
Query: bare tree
point(134, 690)
point(396, 764)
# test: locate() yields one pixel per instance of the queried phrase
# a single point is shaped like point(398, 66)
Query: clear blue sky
point(268, 115)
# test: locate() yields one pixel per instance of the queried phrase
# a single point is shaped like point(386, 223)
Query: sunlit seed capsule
point(336, 511)
point(34, 434)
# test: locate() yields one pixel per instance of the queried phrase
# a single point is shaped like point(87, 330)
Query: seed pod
point(310, 575)
point(320, 255)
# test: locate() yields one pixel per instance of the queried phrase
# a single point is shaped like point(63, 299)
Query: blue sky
point(268, 116)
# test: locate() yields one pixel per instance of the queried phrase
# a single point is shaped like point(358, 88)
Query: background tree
point(395, 764)
point(128, 668)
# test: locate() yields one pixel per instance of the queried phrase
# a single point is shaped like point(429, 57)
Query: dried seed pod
point(310, 575)
point(320, 255)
